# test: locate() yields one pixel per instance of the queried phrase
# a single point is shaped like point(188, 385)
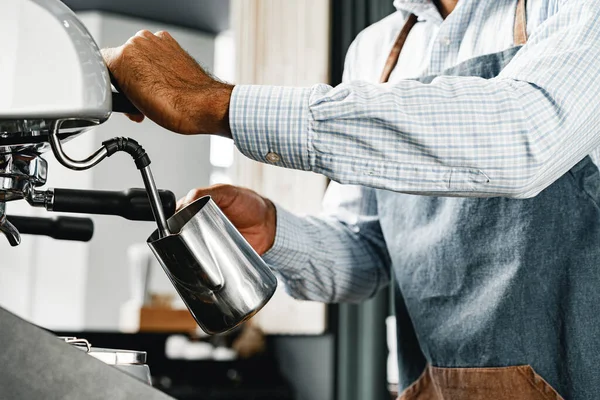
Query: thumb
point(192, 196)
point(135, 117)
point(219, 193)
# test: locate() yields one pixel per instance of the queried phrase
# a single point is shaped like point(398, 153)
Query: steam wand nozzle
point(142, 162)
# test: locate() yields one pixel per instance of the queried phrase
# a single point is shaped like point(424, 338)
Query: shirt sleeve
point(339, 257)
point(510, 136)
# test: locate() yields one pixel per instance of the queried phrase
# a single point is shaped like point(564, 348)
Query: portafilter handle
point(61, 228)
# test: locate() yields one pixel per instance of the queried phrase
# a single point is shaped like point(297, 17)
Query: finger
point(145, 34)
point(164, 35)
point(135, 117)
point(194, 195)
point(180, 204)
point(183, 202)
point(191, 196)
point(217, 192)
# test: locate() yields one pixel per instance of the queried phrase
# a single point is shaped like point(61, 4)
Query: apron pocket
point(514, 383)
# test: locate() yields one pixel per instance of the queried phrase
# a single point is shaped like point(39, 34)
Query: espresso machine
point(55, 86)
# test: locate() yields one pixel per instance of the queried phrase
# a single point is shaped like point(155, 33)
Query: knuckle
point(131, 43)
point(165, 35)
point(144, 33)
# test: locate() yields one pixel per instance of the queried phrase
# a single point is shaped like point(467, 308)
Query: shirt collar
point(424, 9)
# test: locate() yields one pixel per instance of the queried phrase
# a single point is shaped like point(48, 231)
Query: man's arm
point(511, 136)
point(339, 257)
point(462, 136)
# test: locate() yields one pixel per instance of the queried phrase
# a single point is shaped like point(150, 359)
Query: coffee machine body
point(51, 67)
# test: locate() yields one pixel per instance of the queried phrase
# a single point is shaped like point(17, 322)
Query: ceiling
point(206, 15)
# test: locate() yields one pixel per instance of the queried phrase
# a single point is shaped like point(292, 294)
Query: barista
point(495, 249)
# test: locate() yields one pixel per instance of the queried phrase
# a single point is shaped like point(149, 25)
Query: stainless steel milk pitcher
point(221, 279)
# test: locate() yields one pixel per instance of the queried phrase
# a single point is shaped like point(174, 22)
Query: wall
point(204, 15)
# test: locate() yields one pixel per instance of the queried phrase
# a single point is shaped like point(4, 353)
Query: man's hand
point(166, 84)
point(253, 216)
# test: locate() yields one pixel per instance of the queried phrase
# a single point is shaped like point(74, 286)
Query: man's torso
point(488, 282)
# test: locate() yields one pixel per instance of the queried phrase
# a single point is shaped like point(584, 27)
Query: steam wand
point(155, 202)
point(110, 147)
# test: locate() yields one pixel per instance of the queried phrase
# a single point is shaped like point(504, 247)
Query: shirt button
point(446, 40)
point(273, 157)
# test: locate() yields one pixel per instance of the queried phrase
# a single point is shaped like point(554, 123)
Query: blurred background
point(112, 292)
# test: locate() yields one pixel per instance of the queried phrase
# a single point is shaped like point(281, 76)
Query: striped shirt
point(512, 136)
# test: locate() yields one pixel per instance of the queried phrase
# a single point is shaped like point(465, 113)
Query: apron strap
point(392, 59)
point(520, 38)
point(520, 29)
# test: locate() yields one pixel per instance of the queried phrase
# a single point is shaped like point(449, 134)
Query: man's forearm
point(325, 260)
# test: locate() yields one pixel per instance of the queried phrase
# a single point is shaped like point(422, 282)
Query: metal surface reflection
point(19, 173)
point(216, 272)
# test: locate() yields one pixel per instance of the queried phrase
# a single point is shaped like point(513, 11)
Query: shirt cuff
point(270, 124)
point(290, 252)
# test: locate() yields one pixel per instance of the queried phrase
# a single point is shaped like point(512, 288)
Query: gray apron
point(497, 298)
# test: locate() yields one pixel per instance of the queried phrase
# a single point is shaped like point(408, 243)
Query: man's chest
point(475, 28)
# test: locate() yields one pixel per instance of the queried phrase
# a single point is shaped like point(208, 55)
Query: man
point(462, 137)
